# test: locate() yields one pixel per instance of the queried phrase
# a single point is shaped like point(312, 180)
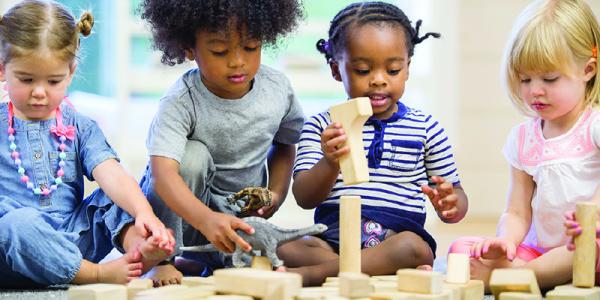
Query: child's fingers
point(569, 215)
point(429, 192)
point(511, 252)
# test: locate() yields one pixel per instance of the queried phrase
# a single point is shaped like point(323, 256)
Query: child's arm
point(125, 192)
point(281, 162)
point(450, 202)
point(313, 186)
point(514, 222)
point(219, 228)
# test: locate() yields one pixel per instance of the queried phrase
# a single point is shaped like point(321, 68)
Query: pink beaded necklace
point(62, 132)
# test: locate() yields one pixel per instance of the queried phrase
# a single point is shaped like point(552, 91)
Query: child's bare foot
point(164, 275)
point(121, 270)
point(152, 252)
point(425, 268)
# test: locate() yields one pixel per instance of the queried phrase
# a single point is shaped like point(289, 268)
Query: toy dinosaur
point(267, 237)
point(251, 199)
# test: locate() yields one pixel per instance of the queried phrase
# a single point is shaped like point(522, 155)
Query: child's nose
point(236, 59)
point(378, 80)
point(38, 92)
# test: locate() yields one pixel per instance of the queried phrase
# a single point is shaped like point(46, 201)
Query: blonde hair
point(37, 25)
point(549, 36)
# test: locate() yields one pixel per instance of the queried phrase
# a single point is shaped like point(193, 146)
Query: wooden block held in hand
point(353, 114)
point(584, 258)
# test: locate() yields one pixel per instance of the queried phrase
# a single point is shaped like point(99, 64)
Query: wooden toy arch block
point(353, 114)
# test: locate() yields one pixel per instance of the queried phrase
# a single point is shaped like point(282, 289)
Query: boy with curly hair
point(231, 123)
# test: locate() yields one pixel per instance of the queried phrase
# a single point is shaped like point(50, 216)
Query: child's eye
point(219, 53)
point(552, 79)
point(54, 82)
point(26, 80)
point(525, 80)
point(250, 49)
point(361, 71)
point(394, 72)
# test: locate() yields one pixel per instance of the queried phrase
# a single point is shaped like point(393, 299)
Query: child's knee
point(463, 244)
point(413, 246)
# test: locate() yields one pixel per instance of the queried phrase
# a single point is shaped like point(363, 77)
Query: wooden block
point(335, 284)
point(97, 291)
point(192, 281)
point(573, 294)
point(355, 285)
point(384, 286)
point(137, 285)
point(229, 297)
point(350, 227)
point(584, 259)
point(332, 279)
point(445, 295)
point(258, 283)
point(385, 277)
point(472, 290)
point(261, 263)
point(176, 292)
point(352, 115)
point(317, 293)
point(570, 286)
point(513, 280)
point(419, 281)
point(519, 296)
point(458, 270)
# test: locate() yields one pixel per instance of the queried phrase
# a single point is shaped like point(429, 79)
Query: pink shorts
point(524, 252)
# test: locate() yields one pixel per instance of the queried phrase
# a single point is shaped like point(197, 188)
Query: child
point(369, 50)
point(49, 234)
point(219, 124)
point(550, 73)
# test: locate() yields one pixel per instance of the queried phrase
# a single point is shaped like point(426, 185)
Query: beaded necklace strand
point(62, 132)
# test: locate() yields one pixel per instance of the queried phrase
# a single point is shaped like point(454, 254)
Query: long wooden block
point(573, 294)
point(472, 290)
point(258, 283)
point(352, 115)
point(519, 296)
point(97, 291)
point(350, 227)
point(445, 295)
point(458, 270)
point(584, 259)
point(176, 292)
point(137, 285)
point(192, 281)
point(513, 280)
point(419, 281)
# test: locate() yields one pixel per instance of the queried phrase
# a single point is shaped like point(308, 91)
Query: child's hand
point(442, 197)
point(573, 229)
point(219, 229)
point(268, 211)
point(148, 224)
point(331, 139)
point(494, 248)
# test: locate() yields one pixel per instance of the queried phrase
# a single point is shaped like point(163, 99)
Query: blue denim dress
point(43, 239)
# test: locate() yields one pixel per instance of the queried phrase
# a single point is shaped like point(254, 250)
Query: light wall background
point(456, 78)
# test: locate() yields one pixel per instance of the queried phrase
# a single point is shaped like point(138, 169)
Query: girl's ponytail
point(86, 23)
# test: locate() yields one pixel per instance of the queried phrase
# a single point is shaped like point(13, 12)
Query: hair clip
point(327, 47)
point(595, 52)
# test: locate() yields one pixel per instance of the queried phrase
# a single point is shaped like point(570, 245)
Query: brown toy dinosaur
point(251, 199)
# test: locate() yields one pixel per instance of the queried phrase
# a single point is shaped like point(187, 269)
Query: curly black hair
point(175, 22)
point(369, 12)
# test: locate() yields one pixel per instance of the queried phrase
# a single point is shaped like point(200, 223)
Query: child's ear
point(72, 69)
point(189, 54)
point(335, 70)
point(590, 69)
point(2, 72)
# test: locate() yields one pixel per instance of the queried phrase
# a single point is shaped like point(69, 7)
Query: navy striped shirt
point(403, 152)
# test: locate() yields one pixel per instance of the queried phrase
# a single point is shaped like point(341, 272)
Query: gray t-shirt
point(238, 133)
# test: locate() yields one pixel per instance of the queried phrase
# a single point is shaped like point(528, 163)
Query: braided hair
point(369, 12)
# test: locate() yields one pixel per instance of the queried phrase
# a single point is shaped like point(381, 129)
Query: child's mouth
point(237, 78)
point(539, 106)
point(378, 100)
